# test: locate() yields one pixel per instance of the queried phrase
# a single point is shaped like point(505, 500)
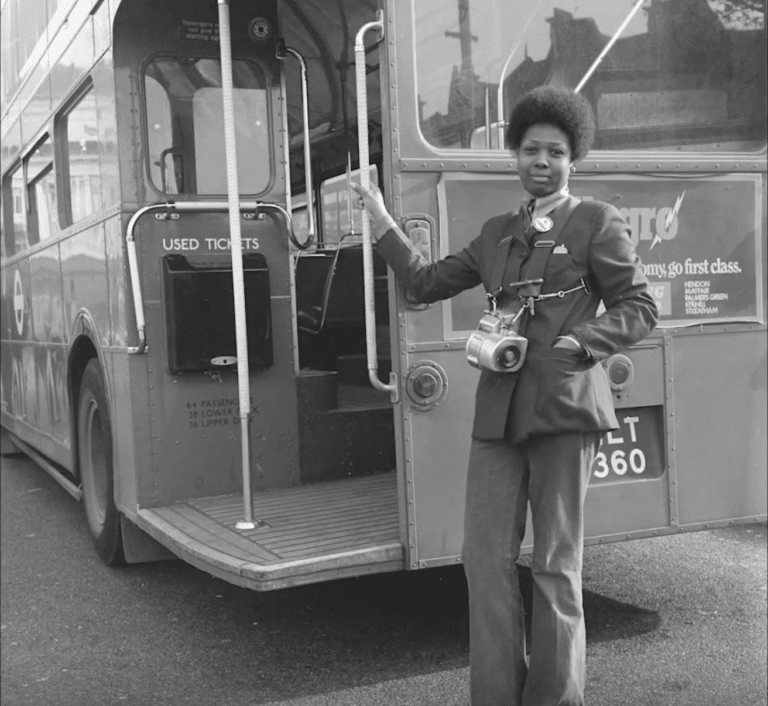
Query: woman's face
point(543, 159)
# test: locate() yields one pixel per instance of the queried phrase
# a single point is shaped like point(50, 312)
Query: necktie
point(527, 212)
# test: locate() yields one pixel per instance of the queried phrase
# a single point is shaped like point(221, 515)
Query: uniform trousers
point(552, 473)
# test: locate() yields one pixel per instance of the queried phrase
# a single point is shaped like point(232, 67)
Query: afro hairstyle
point(560, 107)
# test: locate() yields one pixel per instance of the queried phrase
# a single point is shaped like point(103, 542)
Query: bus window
point(41, 193)
point(30, 17)
point(15, 213)
point(78, 133)
point(185, 133)
point(684, 75)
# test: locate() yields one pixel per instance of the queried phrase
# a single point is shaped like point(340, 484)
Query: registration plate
point(635, 451)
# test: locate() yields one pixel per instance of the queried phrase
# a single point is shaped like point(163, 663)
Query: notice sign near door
point(699, 238)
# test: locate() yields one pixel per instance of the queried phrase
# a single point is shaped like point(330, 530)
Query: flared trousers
point(551, 473)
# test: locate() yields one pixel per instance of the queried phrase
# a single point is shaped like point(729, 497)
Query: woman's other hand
point(568, 342)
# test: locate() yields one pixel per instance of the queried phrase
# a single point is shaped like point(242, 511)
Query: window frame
point(145, 126)
point(61, 154)
point(9, 228)
point(30, 182)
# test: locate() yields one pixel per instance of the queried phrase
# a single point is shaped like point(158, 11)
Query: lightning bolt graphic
point(671, 217)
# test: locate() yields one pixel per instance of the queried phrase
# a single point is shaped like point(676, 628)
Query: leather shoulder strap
point(543, 243)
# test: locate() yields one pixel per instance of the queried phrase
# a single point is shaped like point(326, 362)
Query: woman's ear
point(572, 168)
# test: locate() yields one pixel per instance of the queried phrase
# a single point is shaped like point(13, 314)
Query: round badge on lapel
point(543, 224)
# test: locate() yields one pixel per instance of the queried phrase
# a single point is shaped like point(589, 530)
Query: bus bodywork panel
point(144, 30)
point(194, 416)
point(703, 259)
point(719, 383)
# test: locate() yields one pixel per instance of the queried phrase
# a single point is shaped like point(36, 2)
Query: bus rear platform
point(323, 531)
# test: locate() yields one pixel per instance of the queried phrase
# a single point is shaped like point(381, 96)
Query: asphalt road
point(671, 621)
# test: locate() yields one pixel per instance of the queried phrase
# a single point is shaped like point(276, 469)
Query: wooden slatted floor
point(325, 530)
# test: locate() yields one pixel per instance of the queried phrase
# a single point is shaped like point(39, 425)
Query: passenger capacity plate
point(635, 451)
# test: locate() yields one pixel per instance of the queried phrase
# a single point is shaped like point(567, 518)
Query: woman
point(536, 431)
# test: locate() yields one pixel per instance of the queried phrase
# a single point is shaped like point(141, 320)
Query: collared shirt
point(545, 204)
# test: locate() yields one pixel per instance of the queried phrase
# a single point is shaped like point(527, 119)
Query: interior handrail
point(365, 180)
point(281, 52)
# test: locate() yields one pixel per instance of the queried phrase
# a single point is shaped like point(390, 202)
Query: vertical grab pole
point(365, 181)
point(233, 192)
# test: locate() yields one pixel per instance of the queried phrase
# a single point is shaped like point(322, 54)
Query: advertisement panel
point(698, 238)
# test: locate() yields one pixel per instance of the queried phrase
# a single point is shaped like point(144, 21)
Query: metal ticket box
point(200, 316)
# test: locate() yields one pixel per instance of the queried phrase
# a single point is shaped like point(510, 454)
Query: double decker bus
point(201, 345)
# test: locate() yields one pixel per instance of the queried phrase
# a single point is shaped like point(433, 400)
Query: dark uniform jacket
point(557, 389)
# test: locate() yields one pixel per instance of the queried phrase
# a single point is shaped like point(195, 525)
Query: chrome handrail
point(365, 181)
point(308, 188)
point(184, 207)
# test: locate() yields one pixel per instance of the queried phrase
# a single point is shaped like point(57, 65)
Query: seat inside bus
point(330, 304)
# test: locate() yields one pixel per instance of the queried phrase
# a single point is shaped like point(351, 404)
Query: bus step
point(353, 368)
point(312, 533)
point(361, 397)
point(317, 390)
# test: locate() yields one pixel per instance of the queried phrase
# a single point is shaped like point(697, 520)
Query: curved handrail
point(171, 207)
point(365, 180)
point(308, 188)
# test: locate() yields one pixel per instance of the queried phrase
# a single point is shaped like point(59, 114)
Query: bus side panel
point(194, 415)
point(122, 380)
point(720, 437)
point(23, 383)
point(120, 300)
point(84, 278)
point(5, 343)
point(50, 336)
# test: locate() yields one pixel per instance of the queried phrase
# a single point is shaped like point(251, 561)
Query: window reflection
point(80, 131)
point(683, 75)
point(41, 191)
point(16, 211)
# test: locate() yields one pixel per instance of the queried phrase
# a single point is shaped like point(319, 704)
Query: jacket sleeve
point(429, 282)
point(631, 312)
